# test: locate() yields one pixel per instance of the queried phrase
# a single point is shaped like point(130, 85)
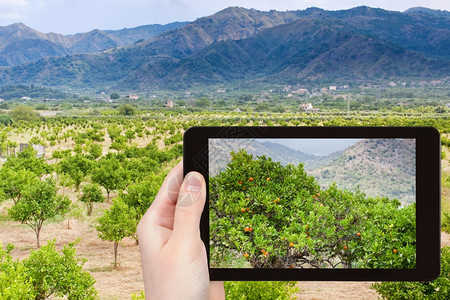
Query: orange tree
point(266, 215)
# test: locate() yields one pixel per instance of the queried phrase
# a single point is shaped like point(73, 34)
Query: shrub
point(437, 289)
point(243, 290)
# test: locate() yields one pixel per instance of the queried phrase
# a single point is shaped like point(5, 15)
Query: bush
point(45, 272)
point(24, 113)
point(437, 289)
point(6, 120)
point(243, 290)
point(14, 281)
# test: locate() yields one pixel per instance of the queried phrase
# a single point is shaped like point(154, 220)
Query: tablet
point(319, 203)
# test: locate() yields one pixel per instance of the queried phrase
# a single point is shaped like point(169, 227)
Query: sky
point(314, 146)
point(74, 16)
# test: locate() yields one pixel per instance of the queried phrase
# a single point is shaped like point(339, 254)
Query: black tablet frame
point(428, 199)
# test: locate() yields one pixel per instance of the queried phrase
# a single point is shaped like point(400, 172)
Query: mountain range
point(21, 44)
point(237, 45)
point(377, 167)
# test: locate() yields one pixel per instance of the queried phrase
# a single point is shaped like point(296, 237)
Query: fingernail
point(193, 183)
point(193, 191)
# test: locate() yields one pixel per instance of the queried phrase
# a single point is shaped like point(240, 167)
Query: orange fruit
point(358, 234)
point(345, 248)
point(306, 226)
point(245, 255)
point(248, 209)
point(263, 251)
point(268, 179)
point(242, 209)
point(250, 229)
point(240, 182)
point(250, 179)
point(246, 229)
point(395, 250)
point(291, 244)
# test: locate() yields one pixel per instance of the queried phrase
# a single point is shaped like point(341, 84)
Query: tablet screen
point(312, 203)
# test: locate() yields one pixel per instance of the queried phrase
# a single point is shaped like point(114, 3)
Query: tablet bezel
point(428, 160)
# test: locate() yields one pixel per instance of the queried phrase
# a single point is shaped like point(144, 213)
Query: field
point(145, 146)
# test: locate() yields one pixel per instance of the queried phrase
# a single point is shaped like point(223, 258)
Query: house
point(392, 83)
point(237, 110)
point(302, 91)
point(40, 149)
point(169, 103)
point(25, 98)
point(333, 87)
point(306, 107)
point(1, 99)
point(221, 90)
point(324, 90)
point(133, 97)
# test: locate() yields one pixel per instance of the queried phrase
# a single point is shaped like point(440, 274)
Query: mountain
point(219, 152)
point(418, 29)
point(303, 50)
point(246, 45)
point(20, 44)
point(378, 167)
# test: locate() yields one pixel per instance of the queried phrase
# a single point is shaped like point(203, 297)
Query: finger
point(189, 208)
point(157, 222)
point(217, 290)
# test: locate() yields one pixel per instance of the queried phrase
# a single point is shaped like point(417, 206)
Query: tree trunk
point(37, 238)
point(90, 204)
point(107, 194)
point(116, 245)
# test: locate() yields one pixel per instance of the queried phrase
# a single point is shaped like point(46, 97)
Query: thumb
point(189, 208)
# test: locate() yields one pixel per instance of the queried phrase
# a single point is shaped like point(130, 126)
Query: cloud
point(13, 11)
point(13, 4)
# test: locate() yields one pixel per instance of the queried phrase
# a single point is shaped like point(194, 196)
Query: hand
point(173, 256)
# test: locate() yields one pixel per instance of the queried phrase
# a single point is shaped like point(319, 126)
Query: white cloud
point(12, 4)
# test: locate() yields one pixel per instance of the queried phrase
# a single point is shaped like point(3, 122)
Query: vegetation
point(243, 290)
point(437, 289)
point(39, 203)
point(24, 113)
point(265, 215)
point(45, 273)
point(90, 144)
point(116, 223)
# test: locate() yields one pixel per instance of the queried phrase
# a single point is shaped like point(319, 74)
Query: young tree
point(95, 150)
point(110, 174)
point(39, 203)
point(116, 223)
point(13, 183)
point(27, 160)
point(91, 193)
point(52, 273)
point(77, 167)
